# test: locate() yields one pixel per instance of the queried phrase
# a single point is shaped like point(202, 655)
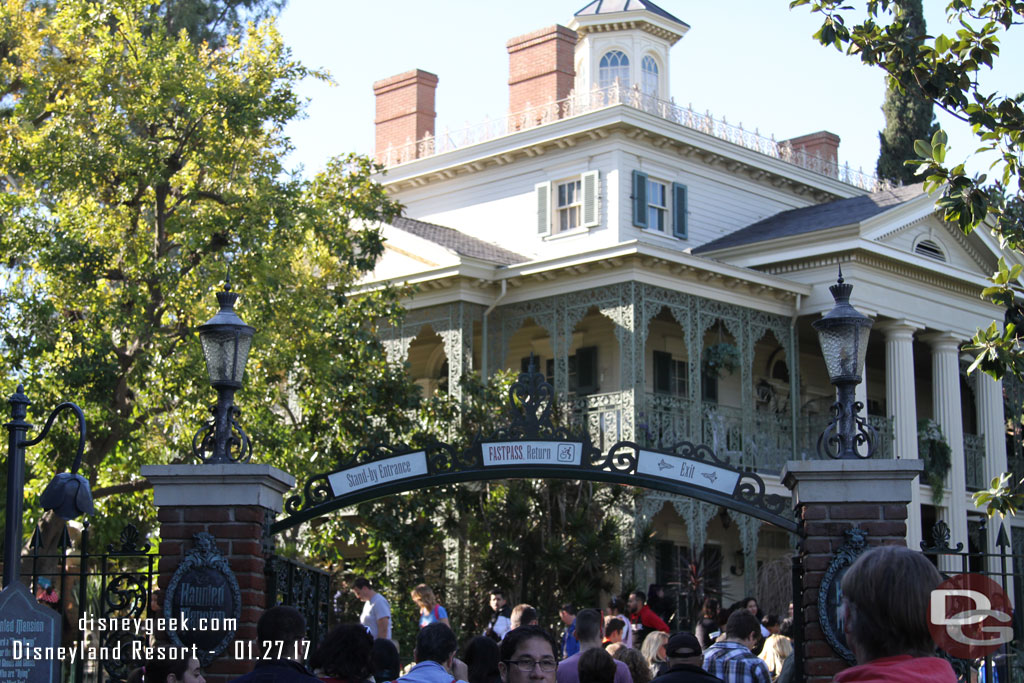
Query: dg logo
point(969, 616)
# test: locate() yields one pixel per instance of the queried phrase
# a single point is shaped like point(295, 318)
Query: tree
point(908, 115)
point(136, 168)
point(946, 70)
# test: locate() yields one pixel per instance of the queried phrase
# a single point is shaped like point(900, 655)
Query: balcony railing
point(663, 420)
point(580, 103)
point(974, 461)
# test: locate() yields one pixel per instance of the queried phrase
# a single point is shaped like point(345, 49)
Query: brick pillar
point(405, 113)
point(830, 497)
point(540, 68)
point(233, 502)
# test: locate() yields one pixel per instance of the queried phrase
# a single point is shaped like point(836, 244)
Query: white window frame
point(569, 215)
point(649, 79)
point(584, 207)
point(655, 210)
point(608, 74)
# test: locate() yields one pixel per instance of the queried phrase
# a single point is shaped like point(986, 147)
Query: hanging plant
point(934, 450)
point(721, 359)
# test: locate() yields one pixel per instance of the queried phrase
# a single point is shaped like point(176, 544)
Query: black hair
point(344, 653)
point(481, 656)
point(640, 595)
point(588, 625)
point(569, 608)
point(770, 620)
point(741, 624)
point(787, 628)
point(497, 591)
point(384, 661)
point(596, 666)
point(435, 642)
point(614, 625)
point(281, 623)
point(510, 643)
point(160, 668)
point(362, 582)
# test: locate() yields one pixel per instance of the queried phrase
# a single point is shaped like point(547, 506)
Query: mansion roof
point(613, 6)
point(814, 218)
point(459, 242)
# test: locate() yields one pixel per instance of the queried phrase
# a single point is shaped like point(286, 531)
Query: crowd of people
point(885, 597)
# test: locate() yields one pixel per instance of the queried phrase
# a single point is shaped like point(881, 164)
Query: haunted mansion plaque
point(204, 599)
point(830, 594)
point(29, 638)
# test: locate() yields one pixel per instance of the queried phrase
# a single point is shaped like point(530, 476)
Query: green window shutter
point(543, 191)
point(639, 199)
point(662, 372)
point(590, 185)
point(679, 210)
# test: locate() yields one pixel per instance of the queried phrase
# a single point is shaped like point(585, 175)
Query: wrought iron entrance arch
point(532, 446)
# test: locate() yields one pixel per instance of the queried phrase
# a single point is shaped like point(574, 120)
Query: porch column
point(749, 528)
point(948, 413)
point(988, 394)
point(901, 405)
point(861, 391)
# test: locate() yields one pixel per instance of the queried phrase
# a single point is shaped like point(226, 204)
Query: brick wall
point(821, 145)
point(239, 531)
point(540, 67)
point(824, 524)
point(405, 109)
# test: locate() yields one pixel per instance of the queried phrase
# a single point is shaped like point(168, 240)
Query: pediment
point(930, 239)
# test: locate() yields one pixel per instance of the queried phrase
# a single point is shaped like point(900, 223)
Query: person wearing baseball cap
point(685, 659)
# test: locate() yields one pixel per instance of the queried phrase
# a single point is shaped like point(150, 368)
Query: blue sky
point(750, 61)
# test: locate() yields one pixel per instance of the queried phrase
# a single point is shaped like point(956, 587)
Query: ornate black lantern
point(226, 340)
point(843, 335)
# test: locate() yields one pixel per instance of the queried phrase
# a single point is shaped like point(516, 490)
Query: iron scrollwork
point(239, 446)
point(830, 596)
point(831, 443)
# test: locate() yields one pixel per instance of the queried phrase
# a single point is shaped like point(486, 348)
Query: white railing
point(577, 104)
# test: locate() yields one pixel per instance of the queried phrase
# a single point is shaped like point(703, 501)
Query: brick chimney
point(405, 110)
point(540, 67)
point(816, 151)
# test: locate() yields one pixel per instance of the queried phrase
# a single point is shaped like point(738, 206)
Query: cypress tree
point(908, 115)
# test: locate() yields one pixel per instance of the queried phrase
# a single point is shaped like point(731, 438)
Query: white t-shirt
point(373, 609)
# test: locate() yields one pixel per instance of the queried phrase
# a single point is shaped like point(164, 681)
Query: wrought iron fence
point(1006, 568)
point(306, 588)
point(86, 587)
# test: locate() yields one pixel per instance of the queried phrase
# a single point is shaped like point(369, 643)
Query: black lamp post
point(226, 341)
point(843, 334)
point(67, 494)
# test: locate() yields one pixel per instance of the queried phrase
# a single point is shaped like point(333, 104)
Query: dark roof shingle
point(612, 6)
point(459, 242)
point(814, 218)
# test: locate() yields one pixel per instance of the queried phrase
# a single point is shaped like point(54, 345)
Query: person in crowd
point(653, 651)
point(732, 659)
point(776, 646)
point(658, 603)
point(501, 615)
point(708, 623)
point(613, 648)
point(617, 609)
point(597, 666)
point(685, 661)
point(750, 604)
point(639, 670)
point(281, 630)
point(168, 670)
point(431, 611)
point(523, 615)
point(344, 655)
point(376, 615)
point(588, 632)
point(434, 654)
point(384, 661)
point(613, 629)
point(642, 618)
point(886, 595)
point(570, 645)
point(481, 657)
point(527, 655)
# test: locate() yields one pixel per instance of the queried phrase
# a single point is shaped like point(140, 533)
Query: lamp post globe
point(843, 335)
point(226, 340)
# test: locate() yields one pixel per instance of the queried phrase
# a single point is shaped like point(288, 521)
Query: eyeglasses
point(526, 664)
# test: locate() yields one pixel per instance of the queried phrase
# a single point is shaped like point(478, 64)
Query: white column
point(948, 413)
point(901, 404)
point(988, 394)
point(861, 391)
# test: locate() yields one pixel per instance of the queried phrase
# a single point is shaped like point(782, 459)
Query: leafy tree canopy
point(136, 165)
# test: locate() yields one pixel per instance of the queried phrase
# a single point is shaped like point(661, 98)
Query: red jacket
point(900, 669)
point(649, 619)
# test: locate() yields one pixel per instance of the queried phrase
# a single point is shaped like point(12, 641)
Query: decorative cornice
point(671, 36)
point(958, 236)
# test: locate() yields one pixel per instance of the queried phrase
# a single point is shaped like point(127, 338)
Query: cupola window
point(649, 74)
point(614, 66)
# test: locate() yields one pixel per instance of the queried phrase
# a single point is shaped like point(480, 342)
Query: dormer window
point(930, 249)
point(649, 76)
point(614, 66)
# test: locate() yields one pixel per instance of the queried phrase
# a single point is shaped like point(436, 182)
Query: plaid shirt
point(734, 663)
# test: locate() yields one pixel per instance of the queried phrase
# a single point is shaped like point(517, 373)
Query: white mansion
point(665, 268)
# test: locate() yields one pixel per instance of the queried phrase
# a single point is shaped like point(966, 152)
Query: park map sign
point(533, 447)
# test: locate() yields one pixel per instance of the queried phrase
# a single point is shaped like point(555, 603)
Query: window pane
point(614, 65)
point(650, 76)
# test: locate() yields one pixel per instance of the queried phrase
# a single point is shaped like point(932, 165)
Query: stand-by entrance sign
point(532, 446)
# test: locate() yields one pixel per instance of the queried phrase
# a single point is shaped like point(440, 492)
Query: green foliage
point(721, 359)
point(136, 165)
point(934, 450)
point(908, 115)
point(945, 70)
